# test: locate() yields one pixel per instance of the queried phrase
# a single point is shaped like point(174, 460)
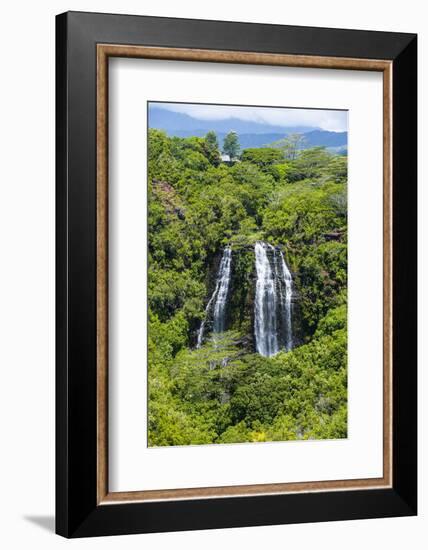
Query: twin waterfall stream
point(272, 304)
point(219, 297)
point(272, 312)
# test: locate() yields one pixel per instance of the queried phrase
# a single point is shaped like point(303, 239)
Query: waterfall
point(273, 301)
point(286, 294)
point(273, 329)
point(265, 325)
point(223, 277)
point(219, 297)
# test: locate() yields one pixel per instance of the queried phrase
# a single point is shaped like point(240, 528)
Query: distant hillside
point(335, 141)
point(259, 140)
point(182, 125)
point(251, 134)
point(245, 140)
point(327, 139)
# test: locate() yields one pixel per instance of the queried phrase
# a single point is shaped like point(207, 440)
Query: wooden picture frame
point(85, 506)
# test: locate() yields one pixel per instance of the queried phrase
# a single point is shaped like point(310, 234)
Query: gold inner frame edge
point(104, 52)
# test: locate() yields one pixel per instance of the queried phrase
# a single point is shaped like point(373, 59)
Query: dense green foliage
point(224, 392)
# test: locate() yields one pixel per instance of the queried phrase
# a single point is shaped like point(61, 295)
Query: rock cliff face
point(241, 308)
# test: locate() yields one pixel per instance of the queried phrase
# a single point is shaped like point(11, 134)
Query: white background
point(27, 275)
point(133, 466)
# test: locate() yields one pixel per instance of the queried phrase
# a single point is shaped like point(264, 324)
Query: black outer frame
point(77, 513)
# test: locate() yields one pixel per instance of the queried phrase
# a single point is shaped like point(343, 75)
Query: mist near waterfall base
point(247, 287)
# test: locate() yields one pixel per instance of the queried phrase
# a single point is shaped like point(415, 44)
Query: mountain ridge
point(172, 121)
point(251, 134)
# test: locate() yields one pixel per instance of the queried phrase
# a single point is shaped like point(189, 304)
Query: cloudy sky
point(334, 121)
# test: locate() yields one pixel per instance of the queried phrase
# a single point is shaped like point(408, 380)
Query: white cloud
point(335, 121)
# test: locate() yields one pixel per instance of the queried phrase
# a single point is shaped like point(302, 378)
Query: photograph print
point(247, 274)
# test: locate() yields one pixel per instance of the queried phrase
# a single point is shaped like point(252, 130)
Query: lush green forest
point(224, 391)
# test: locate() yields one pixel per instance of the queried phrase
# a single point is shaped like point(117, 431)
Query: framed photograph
point(236, 274)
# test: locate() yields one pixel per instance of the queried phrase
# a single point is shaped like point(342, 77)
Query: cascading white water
point(286, 303)
point(273, 301)
point(219, 297)
point(219, 318)
point(265, 320)
point(204, 322)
